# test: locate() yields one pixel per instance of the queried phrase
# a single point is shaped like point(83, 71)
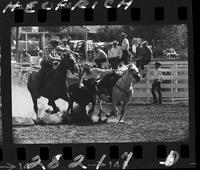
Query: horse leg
point(100, 106)
point(35, 106)
point(115, 101)
point(55, 108)
point(70, 102)
point(93, 105)
point(70, 105)
point(83, 113)
point(122, 111)
point(114, 111)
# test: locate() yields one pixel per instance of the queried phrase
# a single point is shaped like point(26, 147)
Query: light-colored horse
point(123, 89)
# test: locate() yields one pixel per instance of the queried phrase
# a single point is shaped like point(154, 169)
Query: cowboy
point(156, 86)
point(144, 55)
point(25, 57)
point(100, 56)
point(50, 55)
point(51, 51)
point(114, 55)
point(125, 48)
point(65, 43)
point(89, 72)
point(65, 47)
point(40, 56)
point(94, 73)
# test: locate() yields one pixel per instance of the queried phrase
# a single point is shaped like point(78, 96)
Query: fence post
point(176, 74)
point(147, 84)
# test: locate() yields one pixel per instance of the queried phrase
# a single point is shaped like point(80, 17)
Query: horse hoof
point(37, 121)
point(48, 111)
point(101, 120)
point(121, 121)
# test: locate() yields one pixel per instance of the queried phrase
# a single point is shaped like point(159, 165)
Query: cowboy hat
point(40, 52)
point(115, 42)
point(123, 34)
point(54, 39)
point(96, 47)
point(68, 37)
point(65, 39)
point(145, 43)
point(157, 64)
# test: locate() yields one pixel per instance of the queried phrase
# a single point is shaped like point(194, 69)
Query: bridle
point(129, 85)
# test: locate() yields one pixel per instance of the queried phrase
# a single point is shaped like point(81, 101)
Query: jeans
point(125, 56)
point(114, 62)
point(156, 87)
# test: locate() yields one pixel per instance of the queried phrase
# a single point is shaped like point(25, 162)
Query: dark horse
point(54, 83)
point(83, 96)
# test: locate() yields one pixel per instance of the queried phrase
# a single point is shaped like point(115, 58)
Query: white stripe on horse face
point(133, 67)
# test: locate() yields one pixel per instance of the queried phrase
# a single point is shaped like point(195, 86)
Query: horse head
point(133, 71)
point(70, 63)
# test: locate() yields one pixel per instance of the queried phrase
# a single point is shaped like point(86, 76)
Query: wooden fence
point(174, 85)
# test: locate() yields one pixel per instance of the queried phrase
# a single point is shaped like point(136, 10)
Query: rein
point(127, 93)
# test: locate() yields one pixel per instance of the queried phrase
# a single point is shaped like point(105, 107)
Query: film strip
point(150, 135)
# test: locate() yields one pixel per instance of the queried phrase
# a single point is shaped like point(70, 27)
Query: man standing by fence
point(125, 48)
point(156, 86)
point(25, 57)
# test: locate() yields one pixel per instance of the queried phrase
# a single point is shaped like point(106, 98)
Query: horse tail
point(29, 80)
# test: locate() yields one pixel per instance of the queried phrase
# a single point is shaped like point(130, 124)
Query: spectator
point(156, 86)
point(114, 55)
point(25, 57)
point(100, 56)
point(144, 55)
point(125, 48)
point(40, 56)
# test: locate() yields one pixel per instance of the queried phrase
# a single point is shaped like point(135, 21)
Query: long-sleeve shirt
point(115, 52)
point(95, 72)
point(26, 58)
point(125, 44)
point(101, 55)
point(158, 74)
point(64, 47)
point(51, 52)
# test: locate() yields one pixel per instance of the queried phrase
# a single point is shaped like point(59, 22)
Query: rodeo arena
point(71, 90)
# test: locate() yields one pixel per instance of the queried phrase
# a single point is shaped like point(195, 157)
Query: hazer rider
point(50, 55)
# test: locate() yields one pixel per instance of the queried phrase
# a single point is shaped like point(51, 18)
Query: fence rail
point(174, 85)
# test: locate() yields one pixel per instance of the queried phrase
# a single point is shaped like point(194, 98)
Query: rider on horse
point(51, 55)
point(65, 47)
point(65, 43)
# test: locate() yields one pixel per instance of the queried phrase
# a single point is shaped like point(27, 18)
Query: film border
point(146, 17)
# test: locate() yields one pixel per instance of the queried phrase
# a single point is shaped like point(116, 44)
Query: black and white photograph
point(0, 102)
point(99, 84)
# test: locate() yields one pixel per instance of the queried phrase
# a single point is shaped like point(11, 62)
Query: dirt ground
point(142, 123)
